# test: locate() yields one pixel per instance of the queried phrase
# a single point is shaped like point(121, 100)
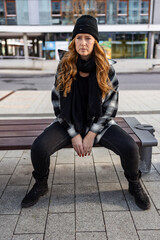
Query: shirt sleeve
point(55, 97)
point(109, 106)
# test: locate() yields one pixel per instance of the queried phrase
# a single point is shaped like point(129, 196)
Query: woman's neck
point(82, 74)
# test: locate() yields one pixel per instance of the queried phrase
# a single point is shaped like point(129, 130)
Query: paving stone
point(65, 156)
point(91, 236)
point(54, 154)
point(154, 192)
point(89, 219)
point(152, 176)
point(14, 154)
point(33, 219)
point(85, 178)
point(31, 222)
point(28, 237)
point(11, 199)
point(84, 160)
point(155, 150)
point(84, 164)
point(7, 226)
point(106, 172)
point(22, 175)
point(143, 219)
point(112, 197)
point(7, 165)
point(101, 154)
point(86, 168)
point(149, 219)
point(26, 157)
point(156, 161)
point(111, 152)
point(3, 182)
point(52, 164)
point(149, 235)
point(2, 154)
point(60, 226)
point(88, 209)
point(64, 174)
point(88, 190)
point(120, 226)
point(62, 198)
point(117, 162)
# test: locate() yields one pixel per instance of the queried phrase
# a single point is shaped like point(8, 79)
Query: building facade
point(37, 28)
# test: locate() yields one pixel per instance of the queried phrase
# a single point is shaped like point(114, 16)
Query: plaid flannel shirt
point(109, 109)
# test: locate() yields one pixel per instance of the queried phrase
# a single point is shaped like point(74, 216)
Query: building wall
point(44, 12)
point(22, 12)
point(156, 9)
point(33, 7)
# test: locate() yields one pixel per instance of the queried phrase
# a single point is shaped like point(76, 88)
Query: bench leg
point(145, 159)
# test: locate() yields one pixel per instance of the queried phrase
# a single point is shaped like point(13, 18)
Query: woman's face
point(84, 44)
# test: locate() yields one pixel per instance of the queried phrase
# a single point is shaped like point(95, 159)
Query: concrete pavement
point(88, 197)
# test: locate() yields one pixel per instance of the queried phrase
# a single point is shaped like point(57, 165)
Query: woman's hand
point(77, 145)
point(88, 142)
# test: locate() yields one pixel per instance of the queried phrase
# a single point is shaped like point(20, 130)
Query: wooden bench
point(20, 134)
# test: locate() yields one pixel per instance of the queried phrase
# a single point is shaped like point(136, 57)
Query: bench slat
point(20, 134)
point(23, 127)
point(26, 121)
point(16, 143)
point(26, 133)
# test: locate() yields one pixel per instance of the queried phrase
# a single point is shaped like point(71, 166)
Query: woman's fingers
point(77, 145)
point(81, 150)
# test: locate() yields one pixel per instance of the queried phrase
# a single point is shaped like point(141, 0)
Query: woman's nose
point(83, 42)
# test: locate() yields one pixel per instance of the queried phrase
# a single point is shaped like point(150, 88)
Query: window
point(144, 11)
point(10, 12)
point(10, 8)
point(1, 9)
point(101, 7)
point(145, 7)
point(2, 13)
point(122, 11)
point(101, 11)
point(56, 11)
point(123, 7)
point(56, 8)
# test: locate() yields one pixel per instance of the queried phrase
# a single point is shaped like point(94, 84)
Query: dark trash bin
point(145, 152)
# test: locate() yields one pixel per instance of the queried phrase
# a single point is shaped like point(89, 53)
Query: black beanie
point(86, 24)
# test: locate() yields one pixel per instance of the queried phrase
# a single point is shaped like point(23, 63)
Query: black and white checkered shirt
point(109, 108)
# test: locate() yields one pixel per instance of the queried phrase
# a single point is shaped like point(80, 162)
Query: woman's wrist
point(92, 134)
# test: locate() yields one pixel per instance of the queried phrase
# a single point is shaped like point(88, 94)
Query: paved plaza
point(88, 197)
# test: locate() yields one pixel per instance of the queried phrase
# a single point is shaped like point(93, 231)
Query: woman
point(85, 99)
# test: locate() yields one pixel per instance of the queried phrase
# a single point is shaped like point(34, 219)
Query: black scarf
point(72, 106)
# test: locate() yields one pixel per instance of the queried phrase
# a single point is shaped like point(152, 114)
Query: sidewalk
point(88, 197)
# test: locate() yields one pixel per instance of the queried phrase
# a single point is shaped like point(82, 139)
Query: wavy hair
point(67, 69)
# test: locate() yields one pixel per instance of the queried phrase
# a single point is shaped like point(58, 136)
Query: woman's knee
point(38, 147)
point(132, 149)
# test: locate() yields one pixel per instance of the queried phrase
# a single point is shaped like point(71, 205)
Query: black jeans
point(56, 137)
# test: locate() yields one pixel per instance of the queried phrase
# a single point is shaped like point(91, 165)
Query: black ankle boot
point(39, 189)
point(141, 198)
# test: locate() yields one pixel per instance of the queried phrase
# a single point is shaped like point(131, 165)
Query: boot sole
point(140, 205)
point(27, 205)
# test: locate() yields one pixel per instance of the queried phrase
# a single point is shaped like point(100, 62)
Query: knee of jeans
point(132, 149)
point(38, 147)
